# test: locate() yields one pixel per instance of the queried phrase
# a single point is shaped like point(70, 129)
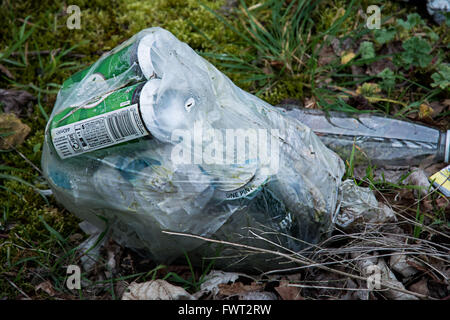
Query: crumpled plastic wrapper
point(359, 206)
point(137, 190)
point(437, 9)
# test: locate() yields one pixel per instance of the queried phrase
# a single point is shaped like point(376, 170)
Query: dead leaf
point(155, 290)
point(238, 288)
point(255, 295)
point(15, 131)
point(379, 65)
point(347, 56)
point(366, 262)
point(401, 264)
point(340, 46)
point(439, 106)
point(311, 103)
point(47, 287)
point(19, 102)
point(420, 179)
point(288, 292)
point(425, 111)
point(326, 55)
point(214, 279)
point(438, 289)
point(76, 237)
point(420, 287)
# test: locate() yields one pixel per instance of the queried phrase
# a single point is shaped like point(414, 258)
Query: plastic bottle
point(378, 139)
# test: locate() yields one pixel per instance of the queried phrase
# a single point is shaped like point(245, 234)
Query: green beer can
point(135, 55)
point(104, 121)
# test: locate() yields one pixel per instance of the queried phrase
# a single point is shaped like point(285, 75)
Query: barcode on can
point(98, 132)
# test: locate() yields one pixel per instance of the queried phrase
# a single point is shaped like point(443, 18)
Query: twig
point(294, 259)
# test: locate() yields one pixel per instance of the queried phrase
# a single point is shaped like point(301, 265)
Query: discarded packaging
point(378, 139)
point(176, 146)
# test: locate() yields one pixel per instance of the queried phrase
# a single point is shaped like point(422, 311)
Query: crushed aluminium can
point(135, 55)
point(108, 120)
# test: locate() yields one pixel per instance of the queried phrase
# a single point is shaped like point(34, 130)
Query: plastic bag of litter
point(153, 137)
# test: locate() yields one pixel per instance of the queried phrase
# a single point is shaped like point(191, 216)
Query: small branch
point(294, 259)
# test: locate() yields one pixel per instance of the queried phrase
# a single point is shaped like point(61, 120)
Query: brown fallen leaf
point(311, 103)
point(347, 57)
point(420, 287)
point(155, 290)
point(19, 102)
point(288, 292)
point(377, 66)
point(439, 107)
point(13, 130)
point(238, 288)
point(326, 55)
point(256, 295)
point(47, 287)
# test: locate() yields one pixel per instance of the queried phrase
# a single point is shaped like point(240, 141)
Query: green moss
point(291, 88)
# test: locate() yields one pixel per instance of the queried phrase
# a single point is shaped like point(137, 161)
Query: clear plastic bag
point(288, 188)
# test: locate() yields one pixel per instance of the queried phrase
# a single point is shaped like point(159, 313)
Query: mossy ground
point(27, 245)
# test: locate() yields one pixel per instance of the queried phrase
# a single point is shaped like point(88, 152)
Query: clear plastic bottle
point(378, 139)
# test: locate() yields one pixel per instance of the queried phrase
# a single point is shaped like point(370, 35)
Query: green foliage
point(384, 35)
point(411, 22)
point(367, 50)
point(388, 79)
point(416, 53)
point(441, 77)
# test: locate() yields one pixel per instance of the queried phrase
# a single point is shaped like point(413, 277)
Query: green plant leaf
point(383, 36)
point(367, 50)
point(412, 21)
point(417, 53)
point(388, 79)
point(441, 77)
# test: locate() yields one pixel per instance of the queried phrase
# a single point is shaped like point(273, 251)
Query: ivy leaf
point(412, 20)
point(442, 77)
point(367, 50)
point(417, 53)
point(388, 79)
point(383, 36)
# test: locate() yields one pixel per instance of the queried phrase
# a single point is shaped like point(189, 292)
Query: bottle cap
point(147, 100)
point(144, 55)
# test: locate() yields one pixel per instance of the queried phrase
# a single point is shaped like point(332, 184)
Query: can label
point(109, 120)
point(246, 190)
point(442, 180)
